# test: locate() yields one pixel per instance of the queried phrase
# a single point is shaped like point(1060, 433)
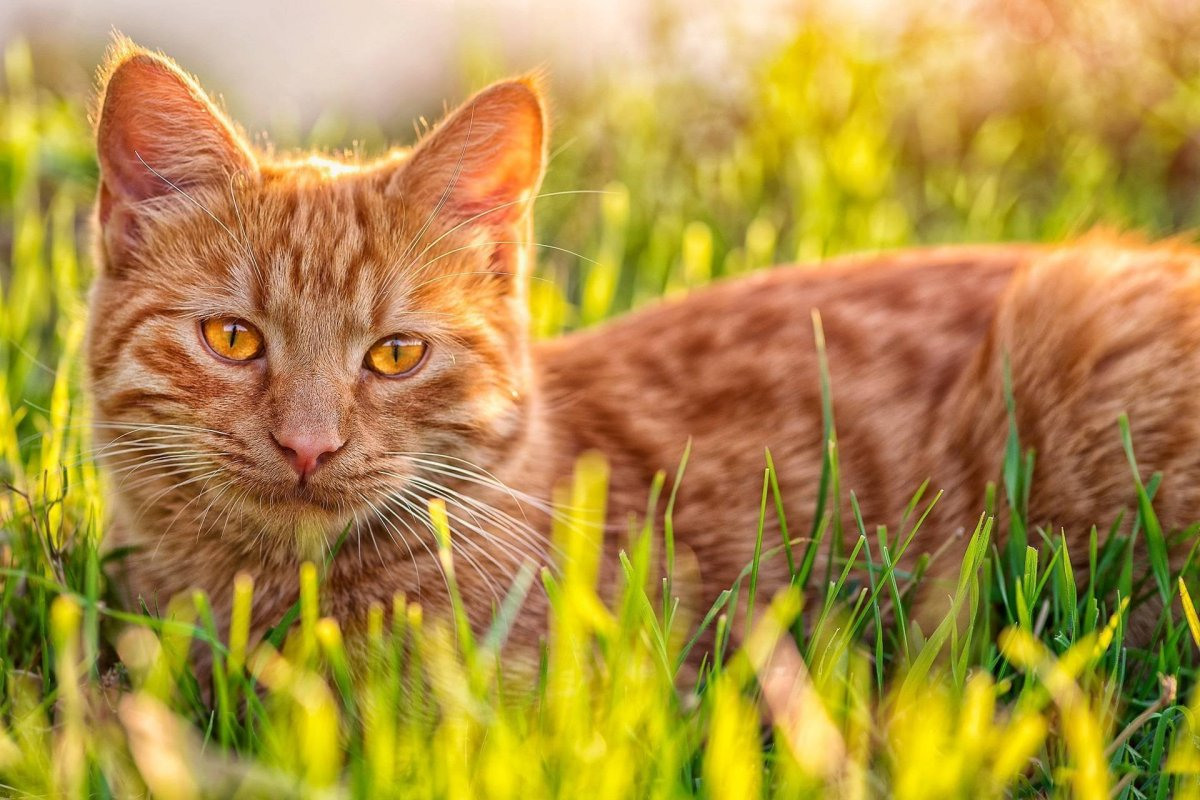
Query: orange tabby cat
point(282, 349)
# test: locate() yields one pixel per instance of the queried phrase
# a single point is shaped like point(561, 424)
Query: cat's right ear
point(157, 137)
point(484, 162)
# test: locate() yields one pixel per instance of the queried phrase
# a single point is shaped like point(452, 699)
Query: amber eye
point(232, 338)
point(396, 355)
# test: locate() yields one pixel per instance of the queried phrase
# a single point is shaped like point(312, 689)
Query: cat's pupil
point(396, 352)
point(233, 332)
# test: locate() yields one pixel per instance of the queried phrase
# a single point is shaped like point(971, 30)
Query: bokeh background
point(692, 141)
point(706, 139)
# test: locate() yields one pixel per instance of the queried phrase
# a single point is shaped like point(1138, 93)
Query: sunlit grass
point(1026, 688)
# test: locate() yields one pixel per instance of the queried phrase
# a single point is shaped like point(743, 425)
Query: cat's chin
point(301, 513)
point(304, 529)
point(297, 499)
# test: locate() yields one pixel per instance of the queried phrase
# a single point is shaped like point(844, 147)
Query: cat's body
point(674, 382)
point(320, 262)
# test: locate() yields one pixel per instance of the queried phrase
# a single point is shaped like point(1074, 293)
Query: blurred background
point(704, 139)
point(693, 140)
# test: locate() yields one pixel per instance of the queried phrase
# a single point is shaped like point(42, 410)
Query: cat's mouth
point(316, 496)
point(299, 498)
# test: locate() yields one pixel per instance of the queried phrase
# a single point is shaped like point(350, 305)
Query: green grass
point(842, 142)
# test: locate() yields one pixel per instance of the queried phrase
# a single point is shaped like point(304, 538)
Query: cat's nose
point(306, 451)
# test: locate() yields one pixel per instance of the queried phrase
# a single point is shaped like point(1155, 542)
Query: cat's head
point(285, 328)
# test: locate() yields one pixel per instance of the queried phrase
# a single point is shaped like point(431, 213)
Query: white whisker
point(495, 208)
point(470, 559)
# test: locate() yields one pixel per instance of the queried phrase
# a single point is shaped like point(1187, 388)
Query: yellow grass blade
point(1189, 611)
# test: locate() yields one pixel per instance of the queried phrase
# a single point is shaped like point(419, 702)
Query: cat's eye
point(232, 338)
point(394, 356)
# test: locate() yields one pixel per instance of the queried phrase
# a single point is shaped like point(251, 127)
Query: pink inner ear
point(155, 119)
point(500, 192)
point(488, 155)
point(126, 176)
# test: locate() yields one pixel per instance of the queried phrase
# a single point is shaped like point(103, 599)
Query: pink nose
point(307, 451)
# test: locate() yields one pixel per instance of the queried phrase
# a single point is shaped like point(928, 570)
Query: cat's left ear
point(484, 163)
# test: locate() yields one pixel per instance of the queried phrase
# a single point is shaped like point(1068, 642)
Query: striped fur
point(325, 257)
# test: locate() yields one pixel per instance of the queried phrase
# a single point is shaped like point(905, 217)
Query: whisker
point(146, 454)
point(161, 470)
point(143, 452)
point(470, 559)
point(163, 440)
point(245, 241)
point(173, 487)
point(445, 196)
point(227, 514)
point(219, 495)
point(420, 515)
point(411, 556)
point(357, 527)
point(423, 501)
point(183, 469)
point(523, 534)
point(240, 243)
point(491, 480)
point(489, 243)
point(15, 345)
point(520, 499)
point(555, 511)
point(128, 427)
point(498, 207)
point(483, 507)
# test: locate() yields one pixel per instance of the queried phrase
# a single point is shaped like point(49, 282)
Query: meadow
point(942, 129)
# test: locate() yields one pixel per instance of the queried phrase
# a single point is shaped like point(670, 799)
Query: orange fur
point(326, 257)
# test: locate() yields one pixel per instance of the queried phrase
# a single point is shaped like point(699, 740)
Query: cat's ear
point(484, 162)
point(158, 134)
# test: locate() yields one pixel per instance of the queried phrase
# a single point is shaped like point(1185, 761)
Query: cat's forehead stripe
point(316, 243)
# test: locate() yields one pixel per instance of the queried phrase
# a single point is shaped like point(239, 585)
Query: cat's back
point(734, 367)
point(918, 343)
point(909, 312)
